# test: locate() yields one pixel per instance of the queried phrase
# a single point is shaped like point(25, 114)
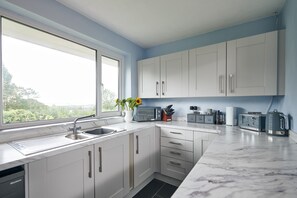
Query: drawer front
point(177, 144)
point(177, 154)
point(177, 169)
point(177, 133)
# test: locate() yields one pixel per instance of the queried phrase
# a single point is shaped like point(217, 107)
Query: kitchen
point(67, 21)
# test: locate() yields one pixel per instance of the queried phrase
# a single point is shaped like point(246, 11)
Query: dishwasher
point(12, 183)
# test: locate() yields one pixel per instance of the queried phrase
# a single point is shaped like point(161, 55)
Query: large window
point(110, 83)
point(46, 77)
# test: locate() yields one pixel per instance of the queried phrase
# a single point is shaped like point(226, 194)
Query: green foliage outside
point(21, 105)
point(108, 101)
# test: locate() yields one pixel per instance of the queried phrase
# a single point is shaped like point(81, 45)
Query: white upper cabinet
point(252, 65)
point(164, 77)
point(149, 78)
point(174, 75)
point(242, 67)
point(207, 71)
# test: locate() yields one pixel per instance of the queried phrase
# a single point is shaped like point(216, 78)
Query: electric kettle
point(276, 123)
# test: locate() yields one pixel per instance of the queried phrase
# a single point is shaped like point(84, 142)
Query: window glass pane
point(44, 76)
point(110, 83)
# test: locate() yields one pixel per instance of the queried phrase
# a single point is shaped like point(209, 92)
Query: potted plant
point(128, 105)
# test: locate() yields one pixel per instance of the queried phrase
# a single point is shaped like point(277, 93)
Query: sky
point(59, 78)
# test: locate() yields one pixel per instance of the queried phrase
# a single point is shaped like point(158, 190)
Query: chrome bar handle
point(137, 145)
point(15, 182)
point(221, 84)
point(223, 87)
point(175, 153)
point(90, 163)
point(157, 85)
point(176, 143)
point(230, 83)
point(175, 163)
point(163, 93)
point(220, 89)
point(100, 159)
point(176, 133)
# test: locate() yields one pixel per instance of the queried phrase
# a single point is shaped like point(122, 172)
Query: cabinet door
point(144, 155)
point(149, 78)
point(112, 168)
point(174, 75)
point(207, 71)
point(252, 65)
point(201, 142)
point(66, 175)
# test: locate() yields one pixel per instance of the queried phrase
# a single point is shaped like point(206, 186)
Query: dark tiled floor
point(156, 189)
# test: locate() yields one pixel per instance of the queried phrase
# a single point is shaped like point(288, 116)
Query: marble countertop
point(237, 163)
point(10, 157)
point(243, 164)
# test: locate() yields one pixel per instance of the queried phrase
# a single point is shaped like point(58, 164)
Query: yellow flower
point(138, 101)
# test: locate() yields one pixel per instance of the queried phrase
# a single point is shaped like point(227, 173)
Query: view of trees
point(21, 104)
point(108, 101)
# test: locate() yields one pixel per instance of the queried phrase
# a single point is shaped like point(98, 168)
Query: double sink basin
point(44, 143)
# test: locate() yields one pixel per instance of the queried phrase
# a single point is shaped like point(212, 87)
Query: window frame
point(100, 51)
point(120, 83)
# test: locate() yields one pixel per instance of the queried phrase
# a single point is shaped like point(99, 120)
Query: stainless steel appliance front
point(146, 113)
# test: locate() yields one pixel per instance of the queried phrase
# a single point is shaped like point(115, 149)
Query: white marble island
point(244, 164)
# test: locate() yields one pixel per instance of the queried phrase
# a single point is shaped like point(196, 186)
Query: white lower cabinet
point(112, 167)
point(201, 142)
point(67, 175)
point(176, 152)
point(175, 168)
point(144, 155)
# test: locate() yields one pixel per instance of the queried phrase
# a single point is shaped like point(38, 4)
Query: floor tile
point(150, 190)
point(166, 191)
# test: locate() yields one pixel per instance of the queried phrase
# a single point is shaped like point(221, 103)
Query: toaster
point(255, 122)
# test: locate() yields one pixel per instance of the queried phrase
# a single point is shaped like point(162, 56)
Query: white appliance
point(231, 118)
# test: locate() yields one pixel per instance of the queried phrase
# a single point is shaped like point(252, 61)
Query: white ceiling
point(150, 23)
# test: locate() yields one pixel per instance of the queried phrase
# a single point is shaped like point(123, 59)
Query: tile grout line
point(159, 189)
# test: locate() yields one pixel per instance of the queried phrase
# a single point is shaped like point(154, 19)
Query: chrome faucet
point(76, 128)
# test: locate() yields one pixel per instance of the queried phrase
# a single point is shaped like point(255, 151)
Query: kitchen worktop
point(10, 157)
point(237, 163)
point(242, 164)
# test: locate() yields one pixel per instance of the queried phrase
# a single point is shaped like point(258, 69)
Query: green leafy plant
point(129, 103)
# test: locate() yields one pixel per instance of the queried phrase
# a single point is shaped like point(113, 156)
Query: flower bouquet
point(128, 105)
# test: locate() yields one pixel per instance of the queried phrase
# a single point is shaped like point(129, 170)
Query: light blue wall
point(289, 21)
point(244, 104)
point(235, 32)
point(219, 103)
point(54, 14)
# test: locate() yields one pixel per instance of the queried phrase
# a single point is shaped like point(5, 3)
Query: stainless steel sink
point(78, 136)
point(100, 131)
point(39, 144)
